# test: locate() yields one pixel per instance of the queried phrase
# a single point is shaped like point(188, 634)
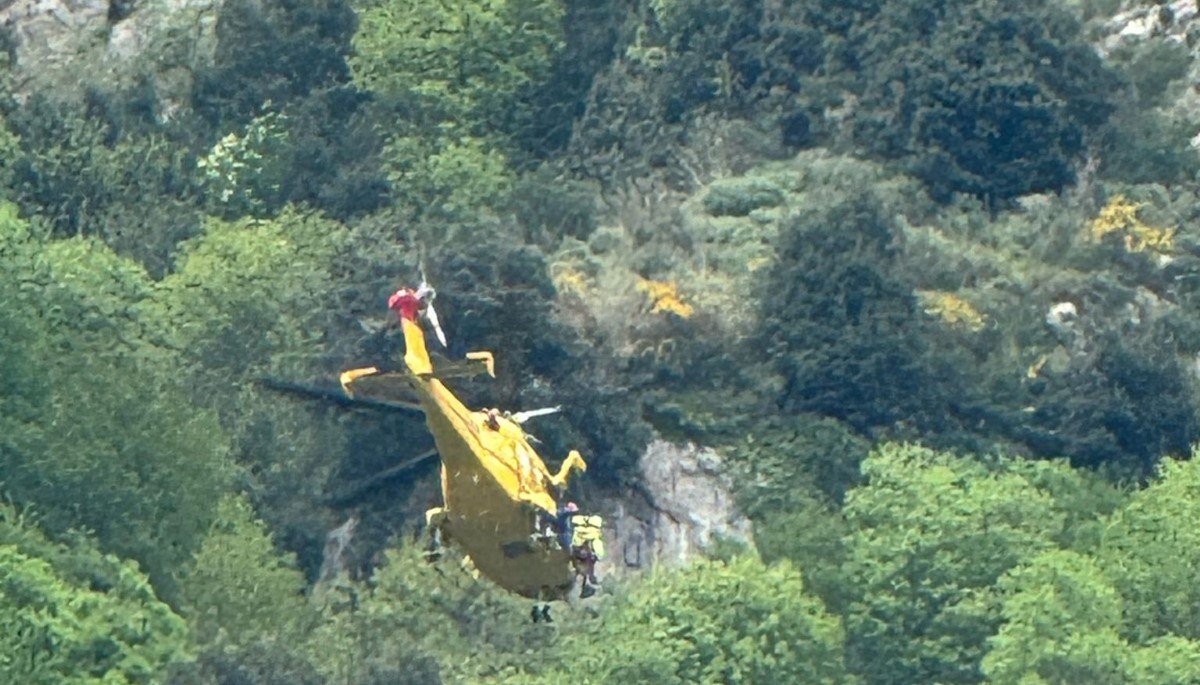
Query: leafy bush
point(991, 99)
point(929, 536)
point(72, 616)
point(840, 319)
point(739, 197)
point(101, 418)
point(713, 622)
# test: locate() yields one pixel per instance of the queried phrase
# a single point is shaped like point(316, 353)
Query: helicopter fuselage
point(495, 487)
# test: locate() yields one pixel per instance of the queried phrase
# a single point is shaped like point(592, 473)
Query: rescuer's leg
point(573, 461)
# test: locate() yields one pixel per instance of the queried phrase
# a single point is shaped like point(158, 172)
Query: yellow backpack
point(588, 528)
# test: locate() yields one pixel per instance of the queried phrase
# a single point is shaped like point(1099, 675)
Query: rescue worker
point(563, 525)
point(587, 547)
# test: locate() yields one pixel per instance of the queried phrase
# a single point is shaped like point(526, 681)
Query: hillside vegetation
point(926, 275)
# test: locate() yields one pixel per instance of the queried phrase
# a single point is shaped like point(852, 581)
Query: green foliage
point(243, 172)
point(812, 535)
point(988, 98)
point(713, 48)
point(71, 616)
point(290, 58)
point(840, 318)
point(1083, 497)
point(1151, 66)
point(434, 621)
point(446, 182)
point(102, 435)
point(455, 76)
point(255, 298)
point(1148, 146)
point(279, 52)
point(697, 88)
point(237, 588)
point(740, 196)
point(1149, 550)
point(86, 174)
point(784, 462)
point(1063, 620)
point(251, 275)
point(460, 65)
point(1165, 661)
point(930, 534)
point(1060, 624)
point(712, 622)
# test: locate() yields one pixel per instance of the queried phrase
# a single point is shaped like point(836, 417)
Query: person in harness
point(587, 547)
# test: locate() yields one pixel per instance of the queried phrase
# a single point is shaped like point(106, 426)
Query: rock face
point(1175, 22)
point(65, 45)
point(681, 509)
point(1170, 20)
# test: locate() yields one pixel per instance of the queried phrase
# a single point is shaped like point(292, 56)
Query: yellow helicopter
point(500, 501)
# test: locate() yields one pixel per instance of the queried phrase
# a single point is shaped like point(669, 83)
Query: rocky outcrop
point(1175, 22)
point(65, 45)
point(682, 507)
point(1169, 20)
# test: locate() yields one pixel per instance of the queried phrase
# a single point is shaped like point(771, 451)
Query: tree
point(89, 169)
point(252, 298)
point(1151, 550)
point(930, 533)
point(1060, 624)
point(458, 66)
point(100, 433)
point(988, 98)
point(840, 318)
point(713, 622)
point(72, 616)
point(246, 605)
point(417, 623)
point(238, 589)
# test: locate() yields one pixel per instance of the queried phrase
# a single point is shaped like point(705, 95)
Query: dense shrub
point(713, 622)
point(100, 418)
point(840, 318)
point(72, 616)
point(991, 99)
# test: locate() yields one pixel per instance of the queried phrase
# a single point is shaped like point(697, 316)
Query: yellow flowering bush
point(664, 296)
point(1119, 217)
point(951, 309)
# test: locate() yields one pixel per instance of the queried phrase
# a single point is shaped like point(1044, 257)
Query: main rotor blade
point(432, 317)
point(356, 490)
point(334, 395)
